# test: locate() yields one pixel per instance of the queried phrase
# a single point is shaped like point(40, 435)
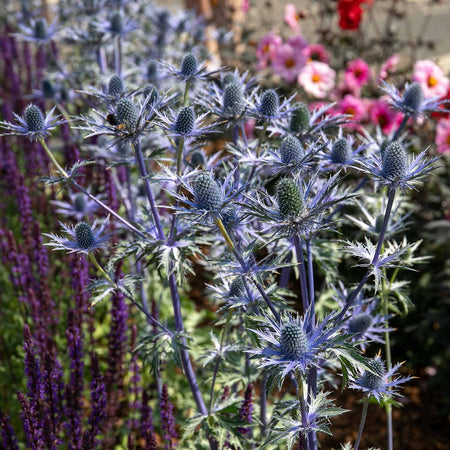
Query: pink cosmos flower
point(353, 107)
point(357, 72)
point(288, 62)
point(443, 136)
point(431, 78)
point(291, 17)
point(266, 49)
point(384, 116)
point(298, 42)
point(347, 86)
point(317, 79)
point(317, 52)
point(389, 66)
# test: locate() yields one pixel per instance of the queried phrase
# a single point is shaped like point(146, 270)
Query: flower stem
point(363, 421)
point(186, 93)
point(298, 243)
point(180, 156)
point(400, 128)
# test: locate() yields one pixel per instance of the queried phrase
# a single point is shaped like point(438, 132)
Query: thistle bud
point(291, 150)
point(227, 79)
point(233, 101)
point(127, 114)
point(300, 119)
point(40, 29)
point(189, 66)
point(207, 193)
point(34, 118)
point(185, 122)
point(290, 200)
point(237, 288)
point(115, 87)
point(395, 161)
point(269, 103)
point(340, 151)
point(294, 342)
point(48, 90)
point(198, 159)
point(84, 235)
point(375, 380)
point(360, 323)
point(413, 97)
point(79, 203)
point(116, 23)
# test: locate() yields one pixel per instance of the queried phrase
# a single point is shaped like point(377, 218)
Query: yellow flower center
point(350, 111)
point(316, 78)
point(289, 63)
point(432, 81)
point(266, 48)
point(448, 140)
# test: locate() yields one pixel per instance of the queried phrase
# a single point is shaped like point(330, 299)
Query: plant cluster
point(269, 216)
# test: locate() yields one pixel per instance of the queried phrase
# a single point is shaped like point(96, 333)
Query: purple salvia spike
point(167, 420)
point(135, 388)
point(146, 421)
point(87, 441)
point(8, 438)
point(246, 410)
point(31, 427)
point(98, 398)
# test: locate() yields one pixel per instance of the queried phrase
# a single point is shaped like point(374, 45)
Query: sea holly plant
point(258, 354)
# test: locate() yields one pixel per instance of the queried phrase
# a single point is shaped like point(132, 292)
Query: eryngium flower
point(300, 119)
point(291, 150)
point(185, 122)
point(40, 29)
point(293, 345)
point(151, 95)
point(33, 124)
point(360, 323)
point(189, 65)
point(289, 197)
point(413, 97)
point(375, 382)
point(78, 207)
point(116, 86)
point(127, 113)
point(237, 288)
point(395, 161)
point(207, 194)
point(228, 78)
point(233, 100)
point(269, 103)
point(81, 238)
point(198, 159)
point(340, 151)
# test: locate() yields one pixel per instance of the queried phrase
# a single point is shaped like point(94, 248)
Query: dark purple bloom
point(246, 410)
point(98, 397)
point(9, 440)
point(167, 419)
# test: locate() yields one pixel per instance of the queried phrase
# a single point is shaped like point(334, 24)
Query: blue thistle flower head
point(116, 86)
point(340, 151)
point(233, 100)
point(185, 122)
point(237, 288)
point(40, 29)
point(82, 238)
point(127, 113)
point(289, 197)
point(291, 150)
point(360, 323)
point(374, 380)
point(116, 23)
point(294, 341)
point(413, 97)
point(395, 161)
point(207, 193)
point(79, 203)
point(270, 103)
point(198, 159)
point(300, 119)
point(189, 65)
point(48, 89)
point(228, 78)
point(34, 118)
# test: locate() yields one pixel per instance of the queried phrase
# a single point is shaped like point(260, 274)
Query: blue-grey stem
point(176, 302)
point(298, 243)
point(284, 277)
point(375, 258)
point(401, 127)
point(361, 424)
point(118, 55)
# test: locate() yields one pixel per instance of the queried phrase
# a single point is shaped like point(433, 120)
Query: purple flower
point(167, 419)
point(246, 410)
point(98, 398)
point(9, 440)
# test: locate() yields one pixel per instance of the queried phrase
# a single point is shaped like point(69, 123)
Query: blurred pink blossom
point(287, 62)
point(443, 136)
point(317, 79)
point(431, 78)
point(383, 116)
point(353, 107)
point(291, 16)
point(389, 66)
point(317, 52)
point(266, 49)
point(357, 72)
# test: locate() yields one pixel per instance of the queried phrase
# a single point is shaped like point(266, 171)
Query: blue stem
point(298, 243)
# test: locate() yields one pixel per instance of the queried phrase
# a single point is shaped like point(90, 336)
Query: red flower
point(350, 14)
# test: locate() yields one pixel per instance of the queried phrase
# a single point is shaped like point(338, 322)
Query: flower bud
point(294, 342)
point(34, 118)
point(185, 122)
point(84, 235)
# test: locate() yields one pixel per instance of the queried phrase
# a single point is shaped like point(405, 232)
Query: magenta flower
point(317, 52)
point(357, 72)
point(431, 78)
point(288, 61)
point(443, 136)
point(291, 17)
point(317, 79)
point(389, 66)
point(383, 116)
point(266, 49)
point(353, 107)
